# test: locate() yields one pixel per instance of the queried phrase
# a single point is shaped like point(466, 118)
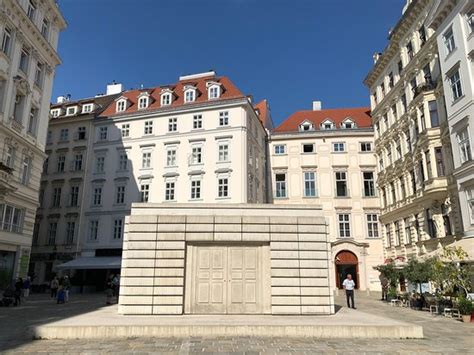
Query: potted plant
point(465, 308)
point(391, 294)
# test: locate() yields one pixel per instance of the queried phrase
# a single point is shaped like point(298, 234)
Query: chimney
point(114, 88)
point(317, 105)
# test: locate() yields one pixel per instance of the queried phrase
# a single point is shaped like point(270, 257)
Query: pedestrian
point(116, 285)
point(66, 287)
point(54, 287)
point(18, 291)
point(384, 282)
point(26, 287)
point(349, 285)
point(61, 295)
point(109, 290)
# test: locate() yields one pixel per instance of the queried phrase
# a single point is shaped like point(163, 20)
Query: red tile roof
point(263, 111)
point(228, 91)
point(360, 115)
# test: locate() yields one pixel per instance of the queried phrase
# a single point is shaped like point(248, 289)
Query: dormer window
point(327, 124)
point(143, 101)
point(71, 111)
point(56, 113)
point(121, 105)
point(348, 124)
point(213, 90)
point(306, 126)
point(166, 99)
point(87, 108)
point(189, 93)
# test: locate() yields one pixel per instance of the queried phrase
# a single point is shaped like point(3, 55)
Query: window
point(10, 156)
point(470, 201)
point(169, 190)
point(308, 148)
point(189, 95)
point(103, 133)
point(195, 189)
point(470, 20)
point(428, 164)
point(146, 160)
point(431, 227)
point(64, 135)
point(369, 184)
point(31, 10)
point(74, 196)
point(279, 149)
point(280, 185)
point(24, 60)
point(171, 157)
point(433, 108)
point(223, 152)
point(39, 74)
point(439, 161)
point(339, 147)
point(52, 232)
point(87, 108)
point(449, 41)
point(348, 124)
point(413, 181)
point(36, 230)
point(309, 184)
point(6, 41)
point(125, 129)
point(214, 92)
point(403, 190)
point(148, 127)
point(100, 164)
point(397, 233)
point(390, 80)
point(56, 201)
point(197, 121)
point(93, 230)
point(11, 218)
point(81, 133)
point(32, 121)
point(123, 161)
point(224, 118)
point(45, 28)
point(409, 48)
point(400, 67)
point(121, 105)
point(344, 225)
point(166, 99)
point(118, 228)
point(18, 108)
point(404, 102)
point(327, 125)
point(25, 170)
point(70, 228)
point(399, 150)
point(455, 83)
point(394, 192)
point(406, 222)
point(172, 124)
point(144, 192)
point(45, 166)
point(61, 163)
point(464, 145)
point(365, 146)
point(341, 184)
point(222, 187)
point(120, 195)
point(196, 156)
point(389, 237)
point(77, 162)
point(373, 225)
point(422, 33)
point(143, 102)
point(97, 196)
point(55, 113)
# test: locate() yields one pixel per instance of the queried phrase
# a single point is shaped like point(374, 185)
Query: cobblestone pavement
point(441, 335)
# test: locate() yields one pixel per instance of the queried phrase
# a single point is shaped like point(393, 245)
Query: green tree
point(391, 272)
point(418, 272)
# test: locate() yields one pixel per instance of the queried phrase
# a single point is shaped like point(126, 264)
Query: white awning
point(467, 244)
point(87, 263)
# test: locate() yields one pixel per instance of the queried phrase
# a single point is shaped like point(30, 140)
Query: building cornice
point(357, 132)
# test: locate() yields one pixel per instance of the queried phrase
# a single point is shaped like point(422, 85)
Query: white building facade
point(326, 158)
point(28, 58)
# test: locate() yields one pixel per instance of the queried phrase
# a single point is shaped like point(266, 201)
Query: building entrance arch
point(346, 263)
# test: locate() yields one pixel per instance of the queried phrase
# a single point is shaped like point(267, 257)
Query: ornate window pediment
point(306, 126)
point(328, 124)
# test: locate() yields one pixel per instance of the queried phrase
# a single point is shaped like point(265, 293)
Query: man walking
point(349, 285)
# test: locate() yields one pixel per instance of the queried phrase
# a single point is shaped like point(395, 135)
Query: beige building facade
point(326, 158)
point(29, 32)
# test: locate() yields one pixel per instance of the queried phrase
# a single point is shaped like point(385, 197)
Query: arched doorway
point(346, 263)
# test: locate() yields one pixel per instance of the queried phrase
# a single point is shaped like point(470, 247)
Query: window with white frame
point(97, 196)
point(64, 135)
point(279, 149)
point(449, 42)
point(74, 196)
point(121, 105)
point(87, 108)
point(406, 222)
point(223, 152)
point(71, 110)
point(306, 126)
point(10, 156)
point(172, 124)
point(344, 225)
point(39, 75)
point(123, 161)
point(196, 188)
point(24, 61)
point(372, 225)
point(214, 92)
point(56, 201)
point(25, 170)
point(196, 155)
point(45, 28)
point(93, 230)
point(224, 118)
point(81, 133)
point(70, 230)
point(142, 102)
point(348, 124)
point(327, 124)
point(369, 183)
point(31, 10)
point(99, 164)
point(120, 194)
point(189, 95)
point(146, 160)
point(455, 84)
point(341, 184)
point(222, 187)
point(170, 190)
point(365, 146)
point(11, 218)
point(148, 128)
point(103, 133)
point(144, 192)
point(166, 99)
point(61, 162)
point(77, 162)
point(470, 201)
point(125, 130)
point(6, 41)
point(197, 121)
point(309, 184)
point(55, 113)
point(464, 144)
point(280, 185)
point(171, 156)
point(118, 228)
point(339, 147)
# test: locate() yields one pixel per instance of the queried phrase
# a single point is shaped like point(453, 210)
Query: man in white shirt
point(349, 285)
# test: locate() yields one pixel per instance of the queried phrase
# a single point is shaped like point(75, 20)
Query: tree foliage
point(391, 272)
point(418, 272)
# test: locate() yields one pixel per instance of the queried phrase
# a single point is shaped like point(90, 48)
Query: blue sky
point(290, 52)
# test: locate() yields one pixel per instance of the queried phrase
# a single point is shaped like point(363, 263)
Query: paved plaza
point(441, 335)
